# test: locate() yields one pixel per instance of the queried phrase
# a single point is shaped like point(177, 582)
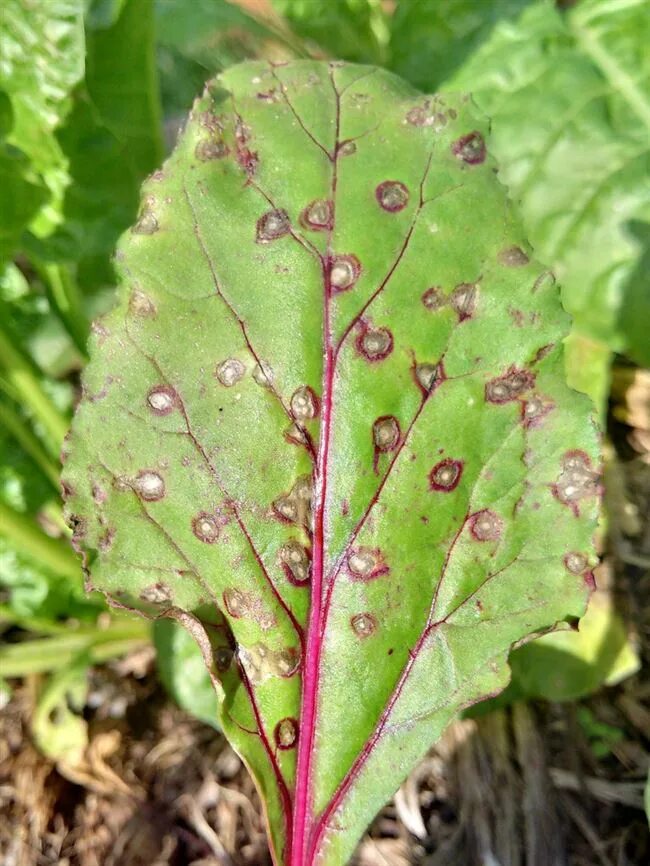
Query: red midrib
point(302, 815)
point(302, 803)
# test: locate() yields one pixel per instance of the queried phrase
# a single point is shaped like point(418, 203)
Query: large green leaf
point(569, 97)
point(112, 139)
point(428, 41)
point(349, 29)
point(41, 60)
point(329, 407)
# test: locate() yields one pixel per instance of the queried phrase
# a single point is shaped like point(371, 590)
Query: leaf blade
point(329, 466)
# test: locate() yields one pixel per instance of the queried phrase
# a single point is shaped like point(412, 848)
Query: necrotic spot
point(513, 257)
point(576, 563)
point(463, 300)
point(363, 624)
point(235, 602)
point(386, 433)
point(344, 272)
point(141, 304)
point(433, 298)
point(230, 371)
point(274, 224)
point(508, 387)
point(157, 593)
point(576, 481)
point(375, 344)
point(162, 399)
point(149, 485)
point(392, 195)
point(286, 733)
point(366, 563)
point(304, 403)
point(318, 216)
point(429, 376)
point(295, 561)
point(147, 224)
point(446, 475)
point(347, 148)
point(206, 527)
point(485, 525)
point(211, 148)
point(470, 148)
point(263, 374)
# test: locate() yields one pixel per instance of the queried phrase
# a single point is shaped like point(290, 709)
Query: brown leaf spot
point(470, 148)
point(433, 298)
point(304, 403)
point(446, 475)
point(272, 225)
point(429, 376)
point(576, 563)
point(149, 485)
point(463, 300)
point(263, 375)
point(295, 562)
point(318, 216)
point(157, 593)
point(230, 371)
point(577, 480)
point(286, 733)
point(147, 223)
point(363, 624)
point(344, 272)
point(211, 148)
point(513, 257)
point(485, 525)
point(374, 344)
point(140, 304)
point(235, 602)
point(392, 195)
point(162, 399)
point(534, 410)
point(366, 563)
point(206, 527)
point(386, 433)
point(508, 387)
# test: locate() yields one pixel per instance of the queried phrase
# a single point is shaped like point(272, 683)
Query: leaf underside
point(326, 428)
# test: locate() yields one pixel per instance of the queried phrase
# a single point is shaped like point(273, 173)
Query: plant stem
point(29, 442)
point(27, 536)
point(56, 652)
point(22, 378)
point(65, 298)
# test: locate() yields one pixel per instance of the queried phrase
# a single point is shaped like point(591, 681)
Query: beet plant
point(326, 428)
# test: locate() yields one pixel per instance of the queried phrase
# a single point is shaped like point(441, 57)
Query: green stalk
point(26, 536)
point(19, 429)
point(22, 379)
point(65, 298)
point(57, 652)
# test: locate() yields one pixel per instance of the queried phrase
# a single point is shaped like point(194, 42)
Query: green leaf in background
point(183, 672)
point(430, 40)
point(571, 664)
point(112, 140)
point(346, 29)
point(58, 727)
point(569, 96)
point(41, 61)
point(199, 39)
point(329, 407)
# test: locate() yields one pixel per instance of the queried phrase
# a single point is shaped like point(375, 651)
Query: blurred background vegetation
point(92, 95)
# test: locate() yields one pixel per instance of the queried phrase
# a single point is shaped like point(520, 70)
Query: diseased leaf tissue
point(326, 427)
